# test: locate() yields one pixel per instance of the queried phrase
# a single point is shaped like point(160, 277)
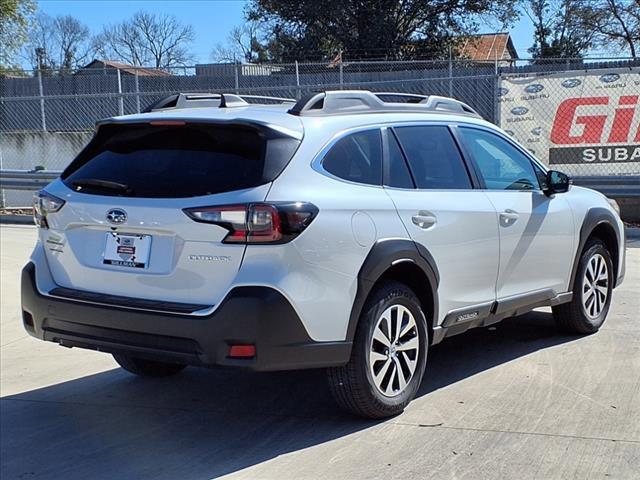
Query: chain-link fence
point(580, 116)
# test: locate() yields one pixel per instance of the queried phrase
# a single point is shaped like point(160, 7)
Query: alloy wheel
point(394, 349)
point(595, 286)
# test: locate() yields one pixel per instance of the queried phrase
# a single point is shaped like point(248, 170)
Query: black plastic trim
point(382, 256)
point(259, 316)
point(594, 218)
point(119, 301)
point(485, 314)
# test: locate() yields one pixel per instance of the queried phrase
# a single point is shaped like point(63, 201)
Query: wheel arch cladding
point(402, 260)
point(599, 223)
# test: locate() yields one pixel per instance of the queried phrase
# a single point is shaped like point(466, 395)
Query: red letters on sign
point(593, 124)
point(568, 117)
point(622, 119)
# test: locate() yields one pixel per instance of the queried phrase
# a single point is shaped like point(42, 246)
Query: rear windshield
point(177, 161)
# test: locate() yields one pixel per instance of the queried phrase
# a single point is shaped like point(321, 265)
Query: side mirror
point(556, 182)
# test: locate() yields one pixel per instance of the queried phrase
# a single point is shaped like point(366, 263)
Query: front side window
point(502, 166)
point(433, 157)
point(356, 158)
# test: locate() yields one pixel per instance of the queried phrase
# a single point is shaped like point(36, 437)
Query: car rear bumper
point(259, 316)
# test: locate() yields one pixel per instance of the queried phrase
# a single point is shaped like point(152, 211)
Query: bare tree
point(72, 41)
point(63, 43)
point(159, 40)
point(242, 44)
point(617, 24)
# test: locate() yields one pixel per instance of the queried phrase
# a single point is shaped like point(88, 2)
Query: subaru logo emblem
point(116, 216)
point(519, 110)
point(535, 88)
point(609, 78)
point(571, 83)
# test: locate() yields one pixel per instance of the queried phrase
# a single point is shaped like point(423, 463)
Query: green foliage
point(393, 29)
point(560, 28)
point(15, 20)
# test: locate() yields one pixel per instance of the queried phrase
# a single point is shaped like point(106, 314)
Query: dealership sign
point(588, 121)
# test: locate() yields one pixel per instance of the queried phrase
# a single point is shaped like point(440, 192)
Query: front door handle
point(423, 220)
point(508, 217)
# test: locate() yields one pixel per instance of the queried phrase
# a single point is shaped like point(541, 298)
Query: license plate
point(127, 250)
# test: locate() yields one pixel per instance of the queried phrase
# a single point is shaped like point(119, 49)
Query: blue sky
point(211, 19)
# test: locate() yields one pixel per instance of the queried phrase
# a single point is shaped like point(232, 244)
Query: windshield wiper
point(97, 184)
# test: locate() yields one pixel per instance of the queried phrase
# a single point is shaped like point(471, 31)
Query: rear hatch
point(122, 230)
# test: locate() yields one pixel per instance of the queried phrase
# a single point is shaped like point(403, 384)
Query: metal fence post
point(297, 82)
point(137, 81)
point(450, 73)
point(341, 75)
point(2, 200)
point(43, 117)
point(236, 73)
point(496, 97)
point(120, 98)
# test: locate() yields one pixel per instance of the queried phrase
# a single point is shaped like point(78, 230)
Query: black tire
point(573, 317)
point(147, 368)
point(353, 385)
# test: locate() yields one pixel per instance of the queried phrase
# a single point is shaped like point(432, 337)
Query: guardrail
point(29, 180)
point(614, 186)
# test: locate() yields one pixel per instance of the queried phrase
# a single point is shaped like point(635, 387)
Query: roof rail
point(364, 101)
point(216, 100)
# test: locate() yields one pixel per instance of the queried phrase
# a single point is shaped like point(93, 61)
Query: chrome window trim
point(316, 162)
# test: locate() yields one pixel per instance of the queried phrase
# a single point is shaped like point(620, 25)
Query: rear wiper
point(97, 184)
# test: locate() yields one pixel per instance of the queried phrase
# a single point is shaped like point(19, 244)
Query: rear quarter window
point(177, 161)
point(357, 158)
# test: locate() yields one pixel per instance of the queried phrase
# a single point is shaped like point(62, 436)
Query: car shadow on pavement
point(206, 423)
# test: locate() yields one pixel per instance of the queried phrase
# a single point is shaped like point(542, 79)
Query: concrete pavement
point(515, 401)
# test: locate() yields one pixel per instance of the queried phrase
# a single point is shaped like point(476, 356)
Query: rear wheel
point(592, 289)
point(388, 357)
point(147, 368)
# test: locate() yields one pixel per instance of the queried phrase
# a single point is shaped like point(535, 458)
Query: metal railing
point(26, 180)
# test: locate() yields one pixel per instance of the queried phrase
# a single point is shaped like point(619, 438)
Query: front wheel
point(592, 290)
point(389, 355)
point(147, 368)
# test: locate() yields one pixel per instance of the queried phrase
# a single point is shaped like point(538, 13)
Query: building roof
point(125, 67)
point(488, 47)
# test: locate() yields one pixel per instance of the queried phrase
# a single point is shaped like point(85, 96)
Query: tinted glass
point(397, 171)
point(357, 158)
point(176, 161)
point(502, 165)
point(434, 157)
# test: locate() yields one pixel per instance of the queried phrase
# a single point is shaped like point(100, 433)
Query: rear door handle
point(423, 220)
point(509, 217)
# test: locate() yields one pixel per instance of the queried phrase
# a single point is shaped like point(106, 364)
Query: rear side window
point(397, 171)
point(177, 161)
point(356, 158)
point(433, 157)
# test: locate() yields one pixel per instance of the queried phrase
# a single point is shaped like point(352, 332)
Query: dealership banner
point(582, 122)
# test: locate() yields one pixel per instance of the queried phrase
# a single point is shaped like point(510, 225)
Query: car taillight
point(43, 204)
point(266, 223)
